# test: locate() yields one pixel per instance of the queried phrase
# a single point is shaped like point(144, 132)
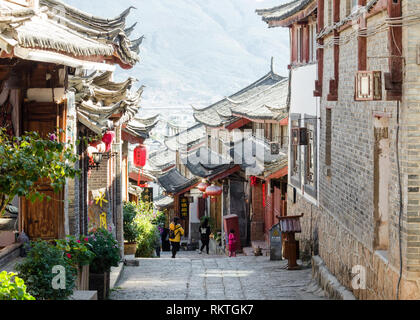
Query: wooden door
point(43, 219)
point(201, 211)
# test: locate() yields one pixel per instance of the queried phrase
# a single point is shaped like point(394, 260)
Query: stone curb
point(115, 275)
point(331, 286)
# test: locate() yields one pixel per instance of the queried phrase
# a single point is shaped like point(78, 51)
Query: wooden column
point(362, 42)
point(393, 79)
point(333, 94)
point(320, 51)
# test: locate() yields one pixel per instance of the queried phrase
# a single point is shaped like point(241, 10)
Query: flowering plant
point(106, 250)
point(77, 251)
point(36, 271)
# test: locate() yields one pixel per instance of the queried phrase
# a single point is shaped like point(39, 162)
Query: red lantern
point(253, 180)
point(203, 186)
point(205, 196)
point(140, 156)
point(214, 191)
point(107, 139)
point(140, 159)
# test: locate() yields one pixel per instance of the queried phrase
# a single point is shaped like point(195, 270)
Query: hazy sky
point(198, 51)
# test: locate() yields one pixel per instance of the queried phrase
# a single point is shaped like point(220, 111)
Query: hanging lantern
point(203, 186)
point(140, 159)
point(140, 156)
point(108, 138)
point(214, 191)
point(253, 180)
point(205, 195)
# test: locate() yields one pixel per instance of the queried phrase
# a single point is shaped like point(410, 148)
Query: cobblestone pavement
point(201, 277)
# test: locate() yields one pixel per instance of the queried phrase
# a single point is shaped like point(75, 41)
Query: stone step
point(84, 295)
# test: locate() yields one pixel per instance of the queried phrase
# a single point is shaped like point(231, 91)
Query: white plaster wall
point(302, 101)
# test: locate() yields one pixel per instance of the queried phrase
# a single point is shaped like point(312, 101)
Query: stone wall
point(309, 237)
point(345, 219)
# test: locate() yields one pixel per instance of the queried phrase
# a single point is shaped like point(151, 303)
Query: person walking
point(175, 233)
point(158, 240)
point(232, 243)
point(205, 232)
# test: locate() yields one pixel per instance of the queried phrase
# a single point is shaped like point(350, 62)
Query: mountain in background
point(196, 52)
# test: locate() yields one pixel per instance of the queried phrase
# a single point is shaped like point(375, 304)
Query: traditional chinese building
point(42, 51)
point(250, 128)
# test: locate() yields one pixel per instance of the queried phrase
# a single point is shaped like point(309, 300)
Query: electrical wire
point(400, 195)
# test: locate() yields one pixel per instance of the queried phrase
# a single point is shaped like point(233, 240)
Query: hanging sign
point(184, 210)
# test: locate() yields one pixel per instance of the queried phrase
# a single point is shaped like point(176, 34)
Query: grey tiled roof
point(268, 104)
point(205, 163)
point(220, 113)
point(185, 139)
point(164, 203)
point(141, 127)
point(174, 182)
point(283, 11)
point(162, 159)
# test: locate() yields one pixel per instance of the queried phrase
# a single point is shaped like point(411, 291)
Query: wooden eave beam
point(298, 16)
point(238, 124)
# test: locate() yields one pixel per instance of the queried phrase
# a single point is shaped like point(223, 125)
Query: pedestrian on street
point(232, 243)
point(175, 233)
point(158, 240)
point(205, 232)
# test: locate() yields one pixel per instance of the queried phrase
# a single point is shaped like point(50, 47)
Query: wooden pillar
point(333, 93)
point(393, 79)
point(320, 51)
point(362, 42)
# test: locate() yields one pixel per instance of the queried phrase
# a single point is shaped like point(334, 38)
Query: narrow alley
point(200, 277)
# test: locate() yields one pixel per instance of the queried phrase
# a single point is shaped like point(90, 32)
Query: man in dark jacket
point(205, 235)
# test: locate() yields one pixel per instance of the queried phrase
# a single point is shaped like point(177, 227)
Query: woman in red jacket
point(232, 243)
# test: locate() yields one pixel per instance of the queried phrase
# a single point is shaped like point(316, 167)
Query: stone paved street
point(200, 277)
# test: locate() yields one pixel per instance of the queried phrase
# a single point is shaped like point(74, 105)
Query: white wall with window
point(304, 113)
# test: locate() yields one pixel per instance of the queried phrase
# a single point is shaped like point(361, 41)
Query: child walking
point(232, 243)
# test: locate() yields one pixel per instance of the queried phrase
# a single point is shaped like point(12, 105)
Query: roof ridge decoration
point(257, 94)
point(283, 11)
point(59, 33)
point(220, 113)
point(271, 74)
point(95, 104)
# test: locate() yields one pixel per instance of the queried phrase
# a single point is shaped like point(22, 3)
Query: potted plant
point(47, 272)
point(107, 255)
point(131, 230)
point(80, 256)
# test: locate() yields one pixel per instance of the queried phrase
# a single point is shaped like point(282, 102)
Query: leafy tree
point(13, 287)
point(28, 159)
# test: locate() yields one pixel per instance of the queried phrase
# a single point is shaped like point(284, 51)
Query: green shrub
point(106, 250)
point(37, 271)
point(131, 230)
point(78, 251)
point(147, 221)
point(147, 238)
point(13, 287)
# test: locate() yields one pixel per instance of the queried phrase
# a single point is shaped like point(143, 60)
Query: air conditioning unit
point(299, 136)
point(368, 86)
point(275, 148)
